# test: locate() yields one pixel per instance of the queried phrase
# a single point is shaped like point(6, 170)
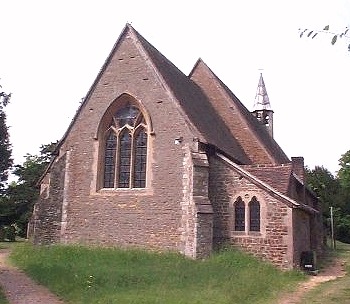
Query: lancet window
point(254, 214)
point(247, 213)
point(239, 214)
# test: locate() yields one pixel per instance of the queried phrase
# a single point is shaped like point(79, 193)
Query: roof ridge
point(254, 128)
point(150, 50)
point(251, 176)
point(199, 61)
point(269, 165)
point(193, 101)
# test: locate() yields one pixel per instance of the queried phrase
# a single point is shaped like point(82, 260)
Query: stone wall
point(47, 215)
point(302, 237)
point(204, 211)
point(150, 217)
point(274, 241)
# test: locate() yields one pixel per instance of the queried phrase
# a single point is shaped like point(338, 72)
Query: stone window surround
point(246, 198)
point(119, 103)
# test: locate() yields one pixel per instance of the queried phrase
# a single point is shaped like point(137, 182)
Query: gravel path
point(19, 288)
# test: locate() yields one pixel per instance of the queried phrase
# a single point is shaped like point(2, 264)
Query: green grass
point(4, 245)
point(100, 275)
point(3, 299)
point(337, 291)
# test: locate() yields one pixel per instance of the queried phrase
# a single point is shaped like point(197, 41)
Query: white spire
point(261, 101)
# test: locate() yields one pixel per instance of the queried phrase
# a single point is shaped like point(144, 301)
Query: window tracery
point(125, 152)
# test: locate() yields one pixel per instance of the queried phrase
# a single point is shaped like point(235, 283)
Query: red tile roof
point(278, 177)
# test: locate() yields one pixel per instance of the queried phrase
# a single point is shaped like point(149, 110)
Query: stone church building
point(160, 160)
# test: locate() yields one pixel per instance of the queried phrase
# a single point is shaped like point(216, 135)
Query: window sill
point(240, 233)
point(254, 233)
point(124, 191)
point(246, 234)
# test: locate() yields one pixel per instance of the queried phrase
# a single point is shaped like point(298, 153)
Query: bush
point(8, 232)
point(342, 229)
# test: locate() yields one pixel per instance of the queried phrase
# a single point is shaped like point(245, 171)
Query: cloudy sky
point(51, 52)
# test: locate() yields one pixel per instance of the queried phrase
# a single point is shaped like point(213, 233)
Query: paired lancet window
point(125, 153)
point(253, 215)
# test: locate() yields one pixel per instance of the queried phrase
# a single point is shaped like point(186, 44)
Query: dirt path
point(19, 288)
point(333, 271)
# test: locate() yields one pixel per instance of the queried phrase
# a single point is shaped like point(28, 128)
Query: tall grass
point(100, 275)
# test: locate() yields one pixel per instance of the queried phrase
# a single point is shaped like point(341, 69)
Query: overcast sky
point(51, 52)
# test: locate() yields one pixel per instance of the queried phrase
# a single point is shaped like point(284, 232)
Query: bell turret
point(262, 107)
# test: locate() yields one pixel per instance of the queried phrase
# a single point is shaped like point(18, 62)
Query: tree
point(329, 189)
point(344, 180)
point(335, 35)
point(326, 186)
point(21, 195)
point(344, 171)
point(343, 215)
point(5, 146)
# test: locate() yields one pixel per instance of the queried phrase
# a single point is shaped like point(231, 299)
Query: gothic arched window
point(254, 214)
point(125, 153)
point(239, 214)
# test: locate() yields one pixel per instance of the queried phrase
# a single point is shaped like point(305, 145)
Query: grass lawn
point(100, 275)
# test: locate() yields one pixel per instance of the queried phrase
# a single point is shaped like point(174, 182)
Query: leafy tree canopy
point(334, 192)
point(16, 207)
point(344, 171)
point(5, 146)
point(325, 185)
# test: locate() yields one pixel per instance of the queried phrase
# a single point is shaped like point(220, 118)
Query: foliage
point(313, 33)
point(344, 171)
point(5, 146)
point(8, 233)
point(16, 207)
point(342, 226)
point(107, 275)
point(334, 191)
point(325, 185)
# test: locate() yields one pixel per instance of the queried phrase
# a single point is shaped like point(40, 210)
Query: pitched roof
point(252, 135)
point(191, 98)
point(195, 103)
point(277, 177)
point(270, 185)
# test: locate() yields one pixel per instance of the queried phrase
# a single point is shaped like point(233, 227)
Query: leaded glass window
point(109, 160)
point(254, 215)
point(140, 159)
point(239, 214)
point(125, 153)
point(124, 159)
